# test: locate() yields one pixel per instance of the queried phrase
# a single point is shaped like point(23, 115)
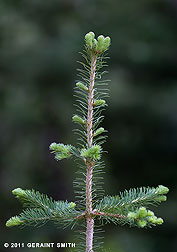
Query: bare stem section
point(91, 102)
point(89, 218)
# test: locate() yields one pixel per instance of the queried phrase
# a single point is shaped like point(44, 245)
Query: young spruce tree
point(92, 209)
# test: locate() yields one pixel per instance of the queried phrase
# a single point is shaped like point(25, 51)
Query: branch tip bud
point(97, 46)
point(72, 205)
point(162, 189)
point(107, 43)
point(142, 212)
point(99, 102)
point(132, 215)
point(150, 213)
point(78, 119)
point(18, 192)
point(89, 37)
point(61, 151)
point(100, 43)
point(94, 152)
point(80, 85)
point(161, 198)
point(99, 131)
point(14, 221)
point(142, 223)
point(159, 221)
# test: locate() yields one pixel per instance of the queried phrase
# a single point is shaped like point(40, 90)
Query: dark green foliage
point(129, 202)
point(131, 199)
point(40, 209)
point(31, 198)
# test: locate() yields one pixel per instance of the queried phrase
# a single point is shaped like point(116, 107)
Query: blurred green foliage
point(39, 44)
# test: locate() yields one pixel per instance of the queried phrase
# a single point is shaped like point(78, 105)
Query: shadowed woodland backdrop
point(39, 45)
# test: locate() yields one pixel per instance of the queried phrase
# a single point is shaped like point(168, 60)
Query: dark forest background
point(39, 45)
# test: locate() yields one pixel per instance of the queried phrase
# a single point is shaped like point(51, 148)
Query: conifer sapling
point(91, 208)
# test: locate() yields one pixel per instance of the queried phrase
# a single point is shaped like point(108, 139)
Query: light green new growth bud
point(89, 37)
point(161, 198)
point(72, 205)
point(95, 43)
point(80, 85)
point(100, 43)
point(59, 147)
point(78, 119)
point(13, 221)
point(107, 42)
point(144, 217)
point(94, 152)
point(99, 102)
point(150, 213)
point(142, 212)
point(98, 46)
point(132, 215)
point(61, 151)
point(18, 192)
point(142, 223)
point(162, 189)
point(53, 146)
point(159, 221)
point(99, 131)
point(92, 34)
point(151, 219)
point(88, 40)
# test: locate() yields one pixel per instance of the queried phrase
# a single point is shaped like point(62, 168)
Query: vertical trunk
point(89, 218)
